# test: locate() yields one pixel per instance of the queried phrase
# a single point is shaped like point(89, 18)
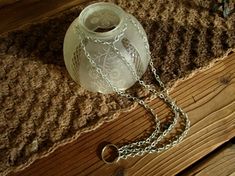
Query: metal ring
point(106, 147)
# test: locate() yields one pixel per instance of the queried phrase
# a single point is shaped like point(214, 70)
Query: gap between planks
point(220, 162)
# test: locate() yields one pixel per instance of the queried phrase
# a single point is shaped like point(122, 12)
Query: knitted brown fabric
point(42, 108)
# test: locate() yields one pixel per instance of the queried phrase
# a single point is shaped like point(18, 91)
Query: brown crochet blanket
point(41, 108)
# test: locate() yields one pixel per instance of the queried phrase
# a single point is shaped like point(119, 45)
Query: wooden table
point(208, 97)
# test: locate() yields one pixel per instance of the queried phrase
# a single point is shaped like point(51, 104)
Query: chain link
point(149, 144)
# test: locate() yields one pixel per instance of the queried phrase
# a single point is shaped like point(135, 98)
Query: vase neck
point(101, 20)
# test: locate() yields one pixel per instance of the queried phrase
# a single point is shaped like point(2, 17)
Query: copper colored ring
point(106, 147)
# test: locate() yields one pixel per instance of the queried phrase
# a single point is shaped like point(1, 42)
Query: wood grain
point(208, 98)
point(221, 162)
point(25, 12)
point(7, 2)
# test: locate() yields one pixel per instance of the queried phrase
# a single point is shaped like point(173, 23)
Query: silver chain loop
point(149, 144)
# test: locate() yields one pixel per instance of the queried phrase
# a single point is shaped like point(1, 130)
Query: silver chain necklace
point(149, 145)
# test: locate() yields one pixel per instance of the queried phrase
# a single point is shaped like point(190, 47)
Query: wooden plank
point(208, 98)
point(221, 162)
point(25, 12)
point(7, 2)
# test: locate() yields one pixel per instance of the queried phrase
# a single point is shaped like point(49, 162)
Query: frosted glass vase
point(113, 39)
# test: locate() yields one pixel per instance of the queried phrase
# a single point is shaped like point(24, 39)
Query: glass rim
point(111, 7)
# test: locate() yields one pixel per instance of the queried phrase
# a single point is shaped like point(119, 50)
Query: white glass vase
point(109, 36)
